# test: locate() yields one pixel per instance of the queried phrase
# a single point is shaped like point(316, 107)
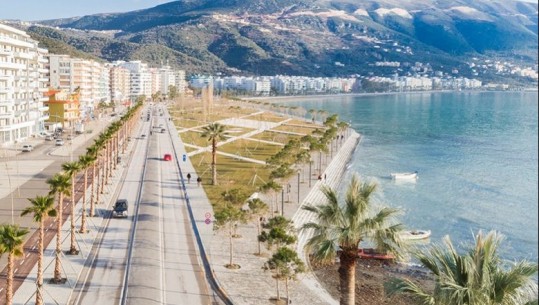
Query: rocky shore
point(370, 278)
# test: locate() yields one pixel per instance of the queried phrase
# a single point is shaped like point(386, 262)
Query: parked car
point(163, 130)
point(59, 142)
point(27, 147)
point(120, 208)
point(49, 138)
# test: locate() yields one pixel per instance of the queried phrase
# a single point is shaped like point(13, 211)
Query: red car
point(167, 157)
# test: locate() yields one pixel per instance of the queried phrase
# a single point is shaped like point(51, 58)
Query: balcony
point(10, 65)
point(5, 89)
point(24, 55)
point(15, 42)
point(4, 52)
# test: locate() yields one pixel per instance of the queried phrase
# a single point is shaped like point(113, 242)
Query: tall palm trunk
point(214, 161)
point(83, 216)
point(95, 188)
point(9, 279)
point(73, 248)
point(347, 278)
point(102, 182)
point(57, 262)
point(39, 279)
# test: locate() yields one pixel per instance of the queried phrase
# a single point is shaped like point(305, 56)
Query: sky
point(29, 10)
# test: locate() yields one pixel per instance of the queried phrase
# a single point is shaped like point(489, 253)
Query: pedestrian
point(325, 177)
point(320, 177)
point(188, 177)
point(199, 181)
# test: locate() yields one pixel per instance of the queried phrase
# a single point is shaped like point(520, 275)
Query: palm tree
point(42, 207)
point(59, 184)
point(85, 161)
point(344, 227)
point(476, 277)
point(11, 241)
point(71, 169)
point(214, 132)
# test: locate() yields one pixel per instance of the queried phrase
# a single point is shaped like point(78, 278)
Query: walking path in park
point(249, 285)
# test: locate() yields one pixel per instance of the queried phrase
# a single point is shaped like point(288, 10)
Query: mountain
point(309, 37)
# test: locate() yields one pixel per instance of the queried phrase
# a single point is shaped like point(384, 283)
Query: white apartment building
point(23, 82)
point(155, 82)
point(90, 76)
point(167, 78)
point(180, 81)
point(141, 78)
point(119, 85)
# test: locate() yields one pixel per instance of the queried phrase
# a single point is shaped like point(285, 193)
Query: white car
point(27, 147)
point(59, 142)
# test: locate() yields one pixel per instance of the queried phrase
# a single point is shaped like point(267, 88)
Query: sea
point(475, 153)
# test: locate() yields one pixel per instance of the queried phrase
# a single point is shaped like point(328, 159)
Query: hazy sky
point(53, 9)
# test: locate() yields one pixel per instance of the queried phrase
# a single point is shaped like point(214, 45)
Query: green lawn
point(231, 173)
point(273, 136)
point(194, 138)
point(266, 117)
point(251, 149)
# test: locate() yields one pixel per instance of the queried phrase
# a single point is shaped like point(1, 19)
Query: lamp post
point(298, 184)
point(310, 172)
point(282, 201)
point(11, 192)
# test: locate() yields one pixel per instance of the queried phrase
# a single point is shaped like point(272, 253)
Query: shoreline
point(302, 98)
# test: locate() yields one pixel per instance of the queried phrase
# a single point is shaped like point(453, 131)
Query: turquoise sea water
point(476, 154)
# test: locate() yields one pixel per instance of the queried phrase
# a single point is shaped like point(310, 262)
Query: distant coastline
point(299, 98)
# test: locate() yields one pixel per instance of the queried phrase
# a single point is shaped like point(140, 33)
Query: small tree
point(278, 232)
point(227, 218)
point(257, 209)
point(285, 265)
point(235, 198)
point(271, 187)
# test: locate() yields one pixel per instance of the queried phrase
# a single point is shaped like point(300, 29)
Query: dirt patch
point(370, 278)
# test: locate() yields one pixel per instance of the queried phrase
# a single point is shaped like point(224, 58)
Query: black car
point(120, 208)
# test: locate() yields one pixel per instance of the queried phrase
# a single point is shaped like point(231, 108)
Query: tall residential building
point(119, 85)
point(181, 81)
point(90, 76)
point(140, 78)
point(23, 82)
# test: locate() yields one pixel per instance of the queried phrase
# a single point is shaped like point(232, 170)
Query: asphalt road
point(165, 263)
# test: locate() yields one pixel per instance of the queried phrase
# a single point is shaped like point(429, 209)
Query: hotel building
point(23, 81)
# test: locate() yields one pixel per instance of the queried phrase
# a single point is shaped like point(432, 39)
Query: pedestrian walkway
point(250, 285)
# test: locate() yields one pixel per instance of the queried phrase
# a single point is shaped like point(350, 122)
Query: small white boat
point(415, 234)
point(408, 176)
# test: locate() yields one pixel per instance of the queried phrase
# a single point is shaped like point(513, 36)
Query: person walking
point(188, 177)
point(199, 181)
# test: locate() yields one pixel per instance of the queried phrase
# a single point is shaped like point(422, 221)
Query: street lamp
point(298, 184)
